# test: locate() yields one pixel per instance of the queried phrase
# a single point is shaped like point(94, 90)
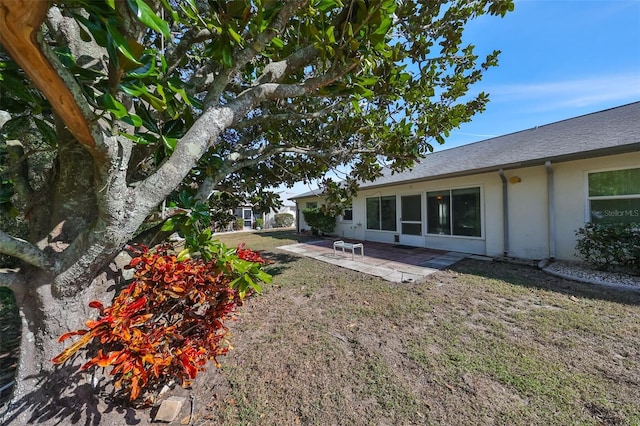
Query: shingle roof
point(612, 131)
point(312, 193)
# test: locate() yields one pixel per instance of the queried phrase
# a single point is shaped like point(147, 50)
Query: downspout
point(552, 210)
point(297, 217)
point(505, 212)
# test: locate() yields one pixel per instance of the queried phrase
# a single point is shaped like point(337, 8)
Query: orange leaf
point(106, 360)
point(96, 304)
point(137, 304)
point(156, 370)
point(65, 336)
point(177, 288)
point(135, 261)
point(126, 335)
point(92, 323)
point(140, 319)
point(148, 358)
point(135, 389)
point(62, 357)
point(188, 366)
point(71, 350)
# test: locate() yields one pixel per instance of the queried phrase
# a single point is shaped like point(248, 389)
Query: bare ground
point(482, 343)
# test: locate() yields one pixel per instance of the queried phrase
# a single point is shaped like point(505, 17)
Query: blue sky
point(560, 59)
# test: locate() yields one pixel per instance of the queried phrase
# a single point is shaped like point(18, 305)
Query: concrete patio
point(396, 263)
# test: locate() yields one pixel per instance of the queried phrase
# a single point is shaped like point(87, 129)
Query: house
point(288, 206)
point(522, 195)
point(245, 213)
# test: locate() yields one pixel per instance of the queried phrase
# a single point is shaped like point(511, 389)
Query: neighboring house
point(288, 206)
point(249, 216)
point(245, 212)
point(308, 200)
point(522, 195)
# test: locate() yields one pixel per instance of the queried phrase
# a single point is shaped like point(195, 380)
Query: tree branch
point(282, 91)
point(252, 157)
point(175, 52)
point(20, 21)
point(20, 170)
point(24, 251)
point(276, 71)
point(234, 162)
point(244, 56)
point(191, 147)
point(257, 121)
point(216, 119)
point(11, 278)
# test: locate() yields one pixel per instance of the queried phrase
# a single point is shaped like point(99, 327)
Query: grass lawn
point(480, 343)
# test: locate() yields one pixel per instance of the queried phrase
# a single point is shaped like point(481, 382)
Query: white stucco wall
point(528, 213)
point(302, 204)
point(571, 195)
point(529, 235)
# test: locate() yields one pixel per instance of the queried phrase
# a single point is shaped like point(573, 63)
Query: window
point(454, 212)
point(312, 205)
point(347, 215)
point(438, 212)
point(381, 213)
point(614, 196)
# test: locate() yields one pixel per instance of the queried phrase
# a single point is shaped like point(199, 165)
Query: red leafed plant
point(169, 322)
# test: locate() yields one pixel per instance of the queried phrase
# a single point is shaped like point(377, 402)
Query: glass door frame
point(412, 239)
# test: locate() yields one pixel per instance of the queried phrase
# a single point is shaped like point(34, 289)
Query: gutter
point(505, 212)
point(552, 210)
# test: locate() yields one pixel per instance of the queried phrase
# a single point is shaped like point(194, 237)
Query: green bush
point(319, 221)
point(610, 245)
point(259, 222)
point(283, 220)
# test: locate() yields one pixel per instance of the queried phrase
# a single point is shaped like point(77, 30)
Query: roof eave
point(621, 149)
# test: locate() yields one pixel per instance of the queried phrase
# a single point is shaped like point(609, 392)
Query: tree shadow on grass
point(288, 234)
point(532, 277)
point(9, 343)
point(65, 397)
point(278, 262)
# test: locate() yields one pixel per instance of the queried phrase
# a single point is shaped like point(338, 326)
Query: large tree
point(116, 104)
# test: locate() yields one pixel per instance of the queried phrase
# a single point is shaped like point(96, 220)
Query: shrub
point(283, 220)
point(169, 322)
point(259, 222)
point(319, 221)
point(607, 245)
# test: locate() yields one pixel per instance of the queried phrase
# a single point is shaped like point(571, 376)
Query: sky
point(560, 59)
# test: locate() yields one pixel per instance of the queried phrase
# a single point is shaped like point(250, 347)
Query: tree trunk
point(85, 229)
point(74, 204)
point(49, 394)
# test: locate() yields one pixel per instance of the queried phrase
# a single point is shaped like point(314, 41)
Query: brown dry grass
point(481, 343)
